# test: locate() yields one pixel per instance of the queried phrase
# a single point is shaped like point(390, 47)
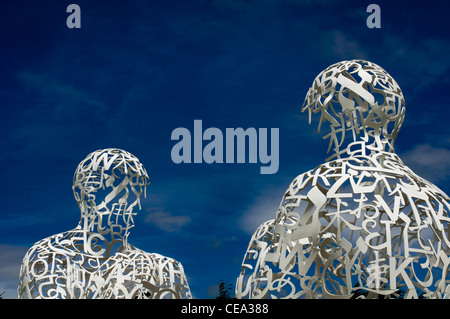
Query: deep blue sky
point(136, 70)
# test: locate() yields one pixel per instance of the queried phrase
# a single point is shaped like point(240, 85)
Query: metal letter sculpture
point(361, 225)
point(95, 260)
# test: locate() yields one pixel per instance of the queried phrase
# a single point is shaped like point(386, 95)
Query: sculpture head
point(107, 186)
point(356, 96)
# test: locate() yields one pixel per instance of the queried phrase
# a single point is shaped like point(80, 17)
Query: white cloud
point(343, 46)
point(431, 163)
point(263, 208)
point(166, 221)
point(66, 95)
point(10, 261)
point(423, 62)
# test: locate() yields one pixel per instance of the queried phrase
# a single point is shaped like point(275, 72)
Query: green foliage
point(224, 290)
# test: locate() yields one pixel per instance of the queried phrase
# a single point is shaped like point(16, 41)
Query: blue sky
point(137, 70)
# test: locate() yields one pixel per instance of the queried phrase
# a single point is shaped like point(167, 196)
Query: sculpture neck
point(108, 234)
point(364, 145)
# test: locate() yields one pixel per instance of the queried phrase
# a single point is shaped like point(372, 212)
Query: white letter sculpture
point(361, 225)
point(95, 260)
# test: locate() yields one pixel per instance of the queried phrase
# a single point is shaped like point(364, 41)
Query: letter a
point(215, 146)
point(73, 20)
point(182, 147)
point(374, 20)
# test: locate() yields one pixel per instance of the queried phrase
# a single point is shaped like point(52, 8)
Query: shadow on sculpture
point(95, 260)
point(361, 225)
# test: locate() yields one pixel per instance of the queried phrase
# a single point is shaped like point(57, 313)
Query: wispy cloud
point(425, 62)
point(166, 221)
point(10, 261)
point(343, 46)
point(432, 163)
point(263, 208)
point(45, 111)
point(70, 100)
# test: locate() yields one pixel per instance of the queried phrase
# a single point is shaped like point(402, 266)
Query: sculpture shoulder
point(133, 254)
point(151, 273)
point(264, 231)
point(43, 260)
point(320, 175)
point(363, 174)
point(57, 244)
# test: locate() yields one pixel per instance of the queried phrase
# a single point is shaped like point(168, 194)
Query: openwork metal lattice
point(95, 260)
point(361, 225)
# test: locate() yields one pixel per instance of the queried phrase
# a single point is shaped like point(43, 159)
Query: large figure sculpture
point(361, 225)
point(95, 260)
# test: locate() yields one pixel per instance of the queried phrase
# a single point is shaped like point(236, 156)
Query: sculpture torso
point(73, 265)
point(95, 260)
point(361, 225)
point(358, 224)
